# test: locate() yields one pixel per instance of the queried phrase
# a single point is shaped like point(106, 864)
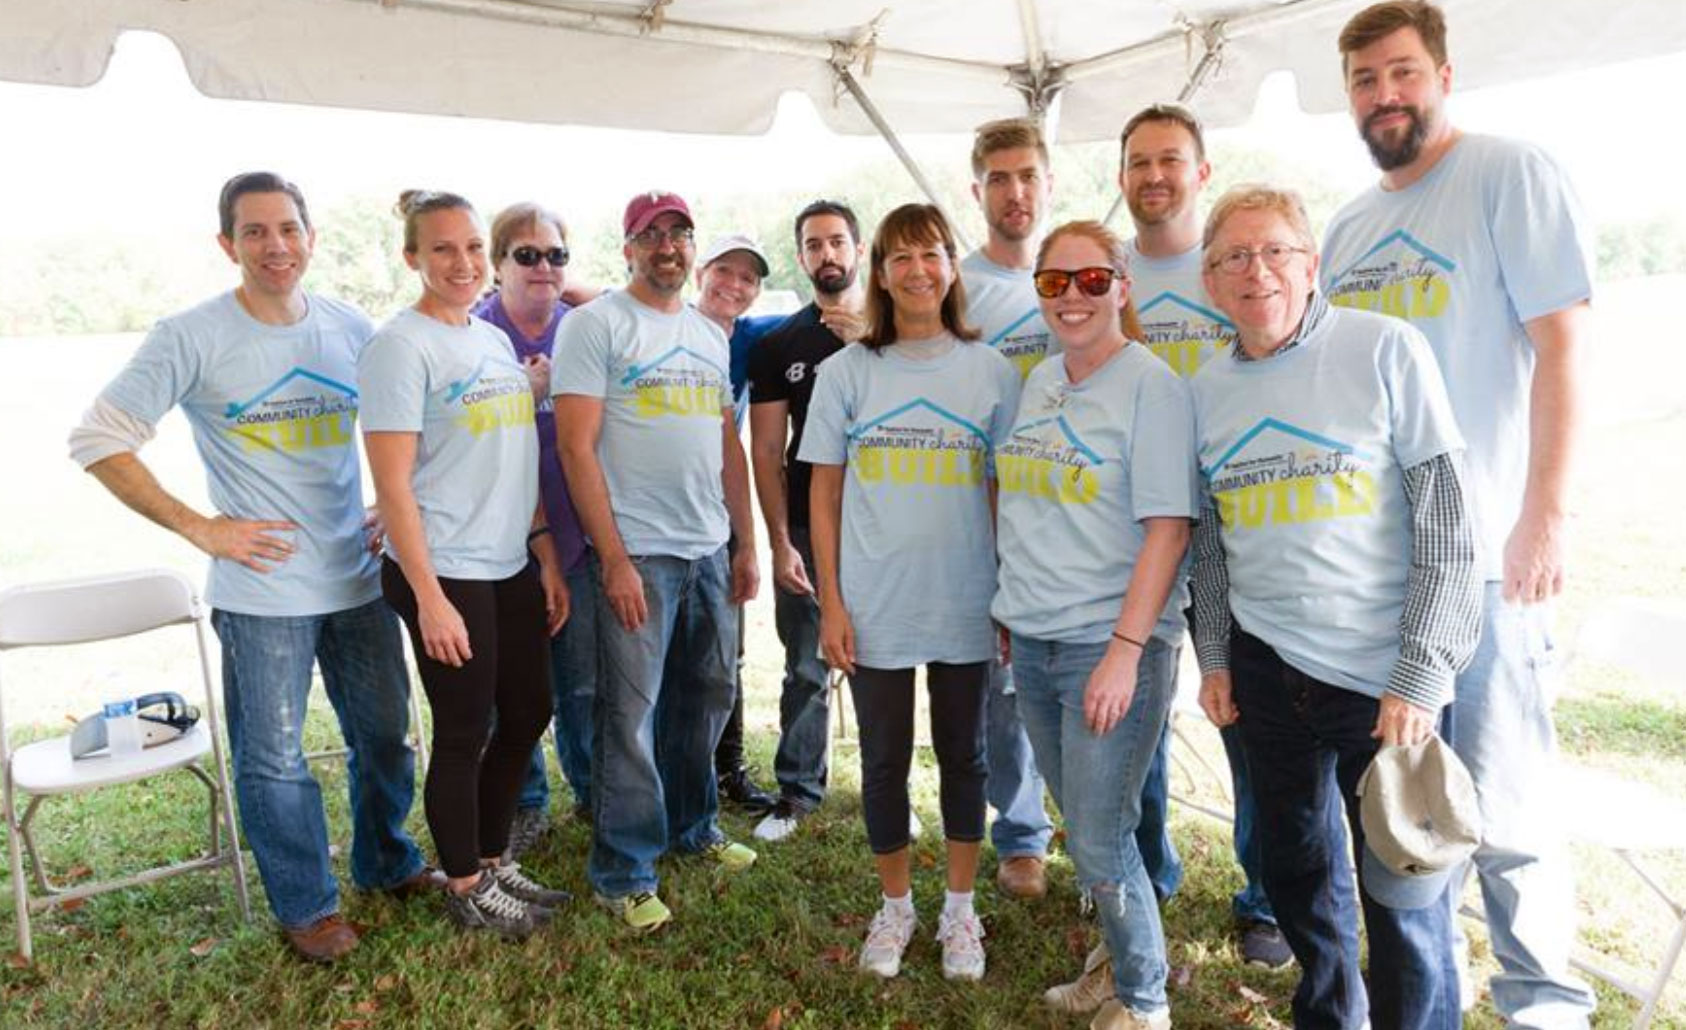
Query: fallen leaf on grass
point(927, 860)
point(351, 1024)
point(1251, 995)
point(78, 872)
point(366, 1008)
point(203, 948)
point(849, 920)
point(385, 982)
point(72, 905)
point(837, 954)
point(1077, 942)
point(774, 1020)
point(17, 961)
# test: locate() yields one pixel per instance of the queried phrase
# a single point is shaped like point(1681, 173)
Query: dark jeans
point(1307, 743)
point(728, 754)
point(472, 781)
point(884, 712)
point(804, 700)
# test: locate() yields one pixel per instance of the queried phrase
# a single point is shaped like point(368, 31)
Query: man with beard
point(781, 382)
point(1480, 243)
point(1162, 171)
point(266, 375)
point(650, 449)
point(1013, 186)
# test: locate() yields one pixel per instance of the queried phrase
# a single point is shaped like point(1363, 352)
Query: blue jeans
point(573, 686)
point(266, 665)
point(1307, 743)
point(1153, 832)
point(664, 694)
point(1014, 786)
point(1097, 782)
point(804, 701)
point(1500, 724)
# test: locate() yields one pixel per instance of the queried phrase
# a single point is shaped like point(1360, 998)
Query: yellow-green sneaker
point(732, 856)
point(642, 911)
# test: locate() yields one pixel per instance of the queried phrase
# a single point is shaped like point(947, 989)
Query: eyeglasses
point(1094, 282)
point(652, 237)
point(527, 257)
point(1239, 260)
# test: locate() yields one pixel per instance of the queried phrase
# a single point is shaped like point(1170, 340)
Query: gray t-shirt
point(917, 561)
point(274, 417)
point(663, 382)
point(1492, 237)
point(476, 478)
point(1001, 302)
point(1303, 455)
point(1179, 322)
point(1085, 463)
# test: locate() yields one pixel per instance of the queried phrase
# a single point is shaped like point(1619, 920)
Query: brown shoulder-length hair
point(1117, 256)
point(918, 225)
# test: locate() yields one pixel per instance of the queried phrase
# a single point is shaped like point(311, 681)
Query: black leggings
point(884, 712)
point(472, 781)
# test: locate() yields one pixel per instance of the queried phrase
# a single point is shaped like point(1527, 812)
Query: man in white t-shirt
point(1480, 243)
point(1014, 188)
point(266, 375)
point(650, 447)
point(1162, 171)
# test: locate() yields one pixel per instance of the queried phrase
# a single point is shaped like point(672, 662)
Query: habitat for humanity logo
point(299, 411)
point(1182, 332)
point(494, 396)
point(1047, 458)
point(1279, 474)
point(681, 382)
point(1024, 342)
point(919, 442)
point(1400, 276)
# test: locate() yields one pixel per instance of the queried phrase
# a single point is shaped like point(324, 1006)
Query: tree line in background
point(105, 282)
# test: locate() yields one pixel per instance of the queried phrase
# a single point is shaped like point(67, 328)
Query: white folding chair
point(82, 611)
point(1628, 818)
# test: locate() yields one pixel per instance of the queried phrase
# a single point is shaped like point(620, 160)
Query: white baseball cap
point(1421, 820)
point(720, 246)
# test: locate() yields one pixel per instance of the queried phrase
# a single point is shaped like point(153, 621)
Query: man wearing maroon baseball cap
point(650, 449)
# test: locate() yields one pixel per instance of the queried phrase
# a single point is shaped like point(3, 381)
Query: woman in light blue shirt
point(900, 434)
point(448, 423)
point(1098, 490)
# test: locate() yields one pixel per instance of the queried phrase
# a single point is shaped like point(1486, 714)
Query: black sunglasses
point(527, 257)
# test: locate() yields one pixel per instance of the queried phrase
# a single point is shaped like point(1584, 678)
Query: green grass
point(773, 947)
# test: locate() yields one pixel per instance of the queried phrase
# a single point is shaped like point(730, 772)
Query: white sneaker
point(1115, 1015)
point(963, 951)
point(886, 939)
point(780, 823)
point(1089, 991)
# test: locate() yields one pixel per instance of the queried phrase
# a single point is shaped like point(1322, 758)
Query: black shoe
point(741, 791)
point(1262, 944)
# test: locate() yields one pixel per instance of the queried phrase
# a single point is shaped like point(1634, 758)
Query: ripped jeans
point(1097, 783)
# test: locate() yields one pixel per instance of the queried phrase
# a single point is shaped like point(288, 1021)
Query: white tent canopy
point(719, 66)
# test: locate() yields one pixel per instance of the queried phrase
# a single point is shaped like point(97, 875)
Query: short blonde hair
point(1255, 196)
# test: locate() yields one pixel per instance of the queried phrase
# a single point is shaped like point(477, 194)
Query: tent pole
point(1213, 38)
point(873, 115)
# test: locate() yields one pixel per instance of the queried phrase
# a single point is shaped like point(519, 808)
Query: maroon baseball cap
point(644, 209)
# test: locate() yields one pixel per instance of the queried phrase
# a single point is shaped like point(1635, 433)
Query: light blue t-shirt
point(1001, 302)
point(1492, 237)
point(1085, 463)
point(917, 562)
point(274, 417)
point(663, 382)
point(1303, 454)
point(476, 478)
point(1179, 321)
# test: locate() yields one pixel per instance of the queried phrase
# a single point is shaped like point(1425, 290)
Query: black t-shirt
point(781, 368)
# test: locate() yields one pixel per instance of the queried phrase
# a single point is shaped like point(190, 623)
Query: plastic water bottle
point(122, 729)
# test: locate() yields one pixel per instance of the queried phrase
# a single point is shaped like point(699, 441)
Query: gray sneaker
point(521, 887)
point(525, 832)
point(486, 907)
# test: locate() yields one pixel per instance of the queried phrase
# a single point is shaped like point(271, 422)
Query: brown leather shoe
point(427, 881)
point(326, 940)
point(1022, 876)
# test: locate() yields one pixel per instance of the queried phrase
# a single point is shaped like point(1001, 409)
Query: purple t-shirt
point(558, 507)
